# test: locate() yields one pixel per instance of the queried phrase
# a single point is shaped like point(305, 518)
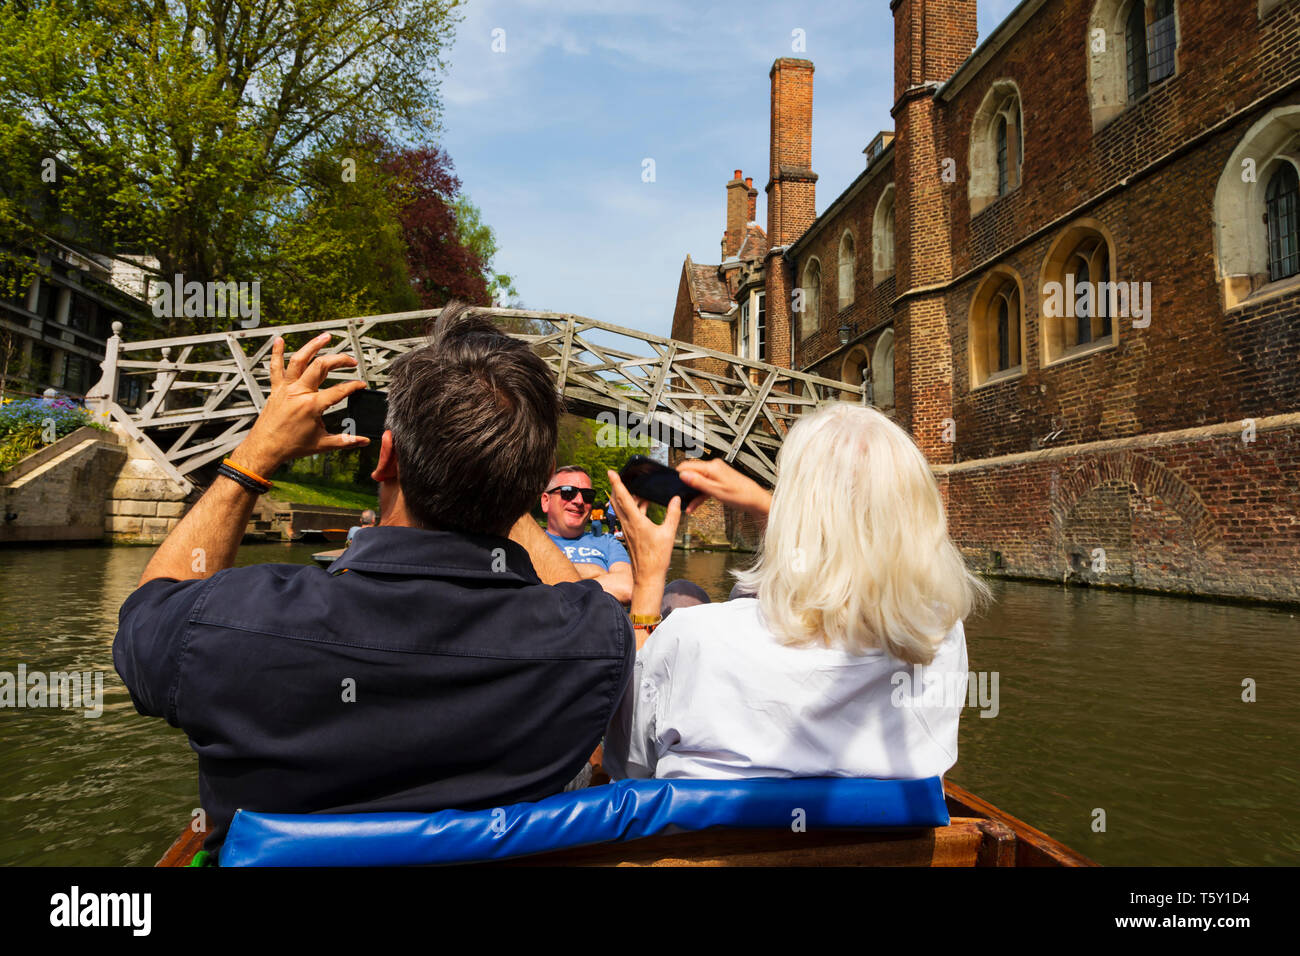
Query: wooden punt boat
point(323, 534)
point(979, 834)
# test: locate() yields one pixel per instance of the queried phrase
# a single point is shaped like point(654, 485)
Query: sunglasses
point(569, 492)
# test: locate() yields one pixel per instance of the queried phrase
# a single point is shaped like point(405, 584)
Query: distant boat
point(327, 534)
point(326, 558)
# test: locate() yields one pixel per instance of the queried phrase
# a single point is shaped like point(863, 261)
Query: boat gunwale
point(1007, 840)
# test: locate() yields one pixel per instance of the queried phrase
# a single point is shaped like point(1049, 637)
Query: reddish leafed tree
point(442, 267)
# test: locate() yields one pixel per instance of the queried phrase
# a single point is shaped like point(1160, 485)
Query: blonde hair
point(856, 553)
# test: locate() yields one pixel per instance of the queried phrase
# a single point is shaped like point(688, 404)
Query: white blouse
point(715, 695)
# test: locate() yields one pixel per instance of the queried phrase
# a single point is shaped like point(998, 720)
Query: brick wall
point(1198, 511)
point(872, 305)
point(1145, 459)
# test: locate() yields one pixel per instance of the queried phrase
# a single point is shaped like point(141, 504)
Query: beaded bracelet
point(252, 482)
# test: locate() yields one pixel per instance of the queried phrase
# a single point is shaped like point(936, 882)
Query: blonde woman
point(858, 608)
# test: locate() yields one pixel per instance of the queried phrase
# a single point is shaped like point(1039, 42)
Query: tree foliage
point(577, 445)
point(192, 129)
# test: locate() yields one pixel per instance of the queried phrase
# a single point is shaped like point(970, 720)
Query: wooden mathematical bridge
point(206, 390)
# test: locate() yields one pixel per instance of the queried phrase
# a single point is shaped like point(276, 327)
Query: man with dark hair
point(599, 557)
point(451, 658)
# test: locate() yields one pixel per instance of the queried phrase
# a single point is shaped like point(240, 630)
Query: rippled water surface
point(1127, 704)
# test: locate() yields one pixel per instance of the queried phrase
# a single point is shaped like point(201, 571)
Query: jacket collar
point(418, 552)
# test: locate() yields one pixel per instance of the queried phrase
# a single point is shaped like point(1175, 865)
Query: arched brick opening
point(1128, 520)
point(851, 370)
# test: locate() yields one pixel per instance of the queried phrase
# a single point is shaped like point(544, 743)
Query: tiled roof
point(708, 292)
point(754, 245)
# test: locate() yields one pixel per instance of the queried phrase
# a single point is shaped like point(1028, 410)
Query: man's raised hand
point(291, 423)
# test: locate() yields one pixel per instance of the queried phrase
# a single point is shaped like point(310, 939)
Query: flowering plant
point(27, 424)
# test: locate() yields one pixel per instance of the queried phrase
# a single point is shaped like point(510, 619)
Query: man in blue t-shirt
point(567, 505)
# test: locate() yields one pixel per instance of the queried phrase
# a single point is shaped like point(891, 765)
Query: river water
point(1120, 726)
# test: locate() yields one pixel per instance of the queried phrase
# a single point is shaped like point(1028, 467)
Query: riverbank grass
point(328, 495)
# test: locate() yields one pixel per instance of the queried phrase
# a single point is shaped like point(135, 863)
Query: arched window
point(1162, 41)
point(1132, 46)
point(882, 371)
point(1089, 264)
point(1255, 207)
point(1135, 44)
point(997, 148)
point(996, 329)
point(1079, 296)
point(1283, 236)
point(847, 263)
point(811, 318)
point(1150, 39)
point(882, 237)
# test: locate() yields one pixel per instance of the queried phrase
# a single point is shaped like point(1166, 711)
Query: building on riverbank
point(1072, 272)
point(53, 334)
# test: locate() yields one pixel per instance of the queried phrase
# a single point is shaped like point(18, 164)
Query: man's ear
point(386, 470)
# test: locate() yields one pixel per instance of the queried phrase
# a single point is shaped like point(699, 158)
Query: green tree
point(341, 249)
point(187, 125)
point(577, 444)
point(482, 241)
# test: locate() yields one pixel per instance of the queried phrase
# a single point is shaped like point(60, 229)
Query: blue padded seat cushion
point(625, 810)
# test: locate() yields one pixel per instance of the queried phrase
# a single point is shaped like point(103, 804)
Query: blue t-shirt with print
point(604, 550)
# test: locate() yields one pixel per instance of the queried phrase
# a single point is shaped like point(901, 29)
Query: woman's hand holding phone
point(719, 480)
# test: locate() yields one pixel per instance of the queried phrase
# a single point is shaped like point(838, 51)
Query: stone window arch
point(882, 237)
point(852, 369)
point(882, 370)
point(1245, 261)
point(1081, 302)
point(848, 262)
point(1132, 46)
point(997, 329)
point(997, 146)
point(810, 319)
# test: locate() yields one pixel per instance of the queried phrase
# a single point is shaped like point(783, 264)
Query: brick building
point(1072, 271)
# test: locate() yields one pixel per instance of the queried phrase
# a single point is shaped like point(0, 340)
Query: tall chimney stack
point(735, 234)
point(752, 205)
point(792, 189)
point(791, 196)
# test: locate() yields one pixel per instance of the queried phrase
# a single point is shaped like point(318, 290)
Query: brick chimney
point(791, 194)
point(791, 189)
point(932, 38)
point(736, 208)
point(752, 196)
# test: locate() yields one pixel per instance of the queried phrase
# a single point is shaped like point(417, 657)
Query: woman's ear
point(386, 470)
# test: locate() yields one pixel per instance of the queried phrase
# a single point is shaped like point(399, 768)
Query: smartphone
point(648, 479)
point(367, 409)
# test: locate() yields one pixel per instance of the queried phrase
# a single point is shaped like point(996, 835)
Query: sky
point(549, 131)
